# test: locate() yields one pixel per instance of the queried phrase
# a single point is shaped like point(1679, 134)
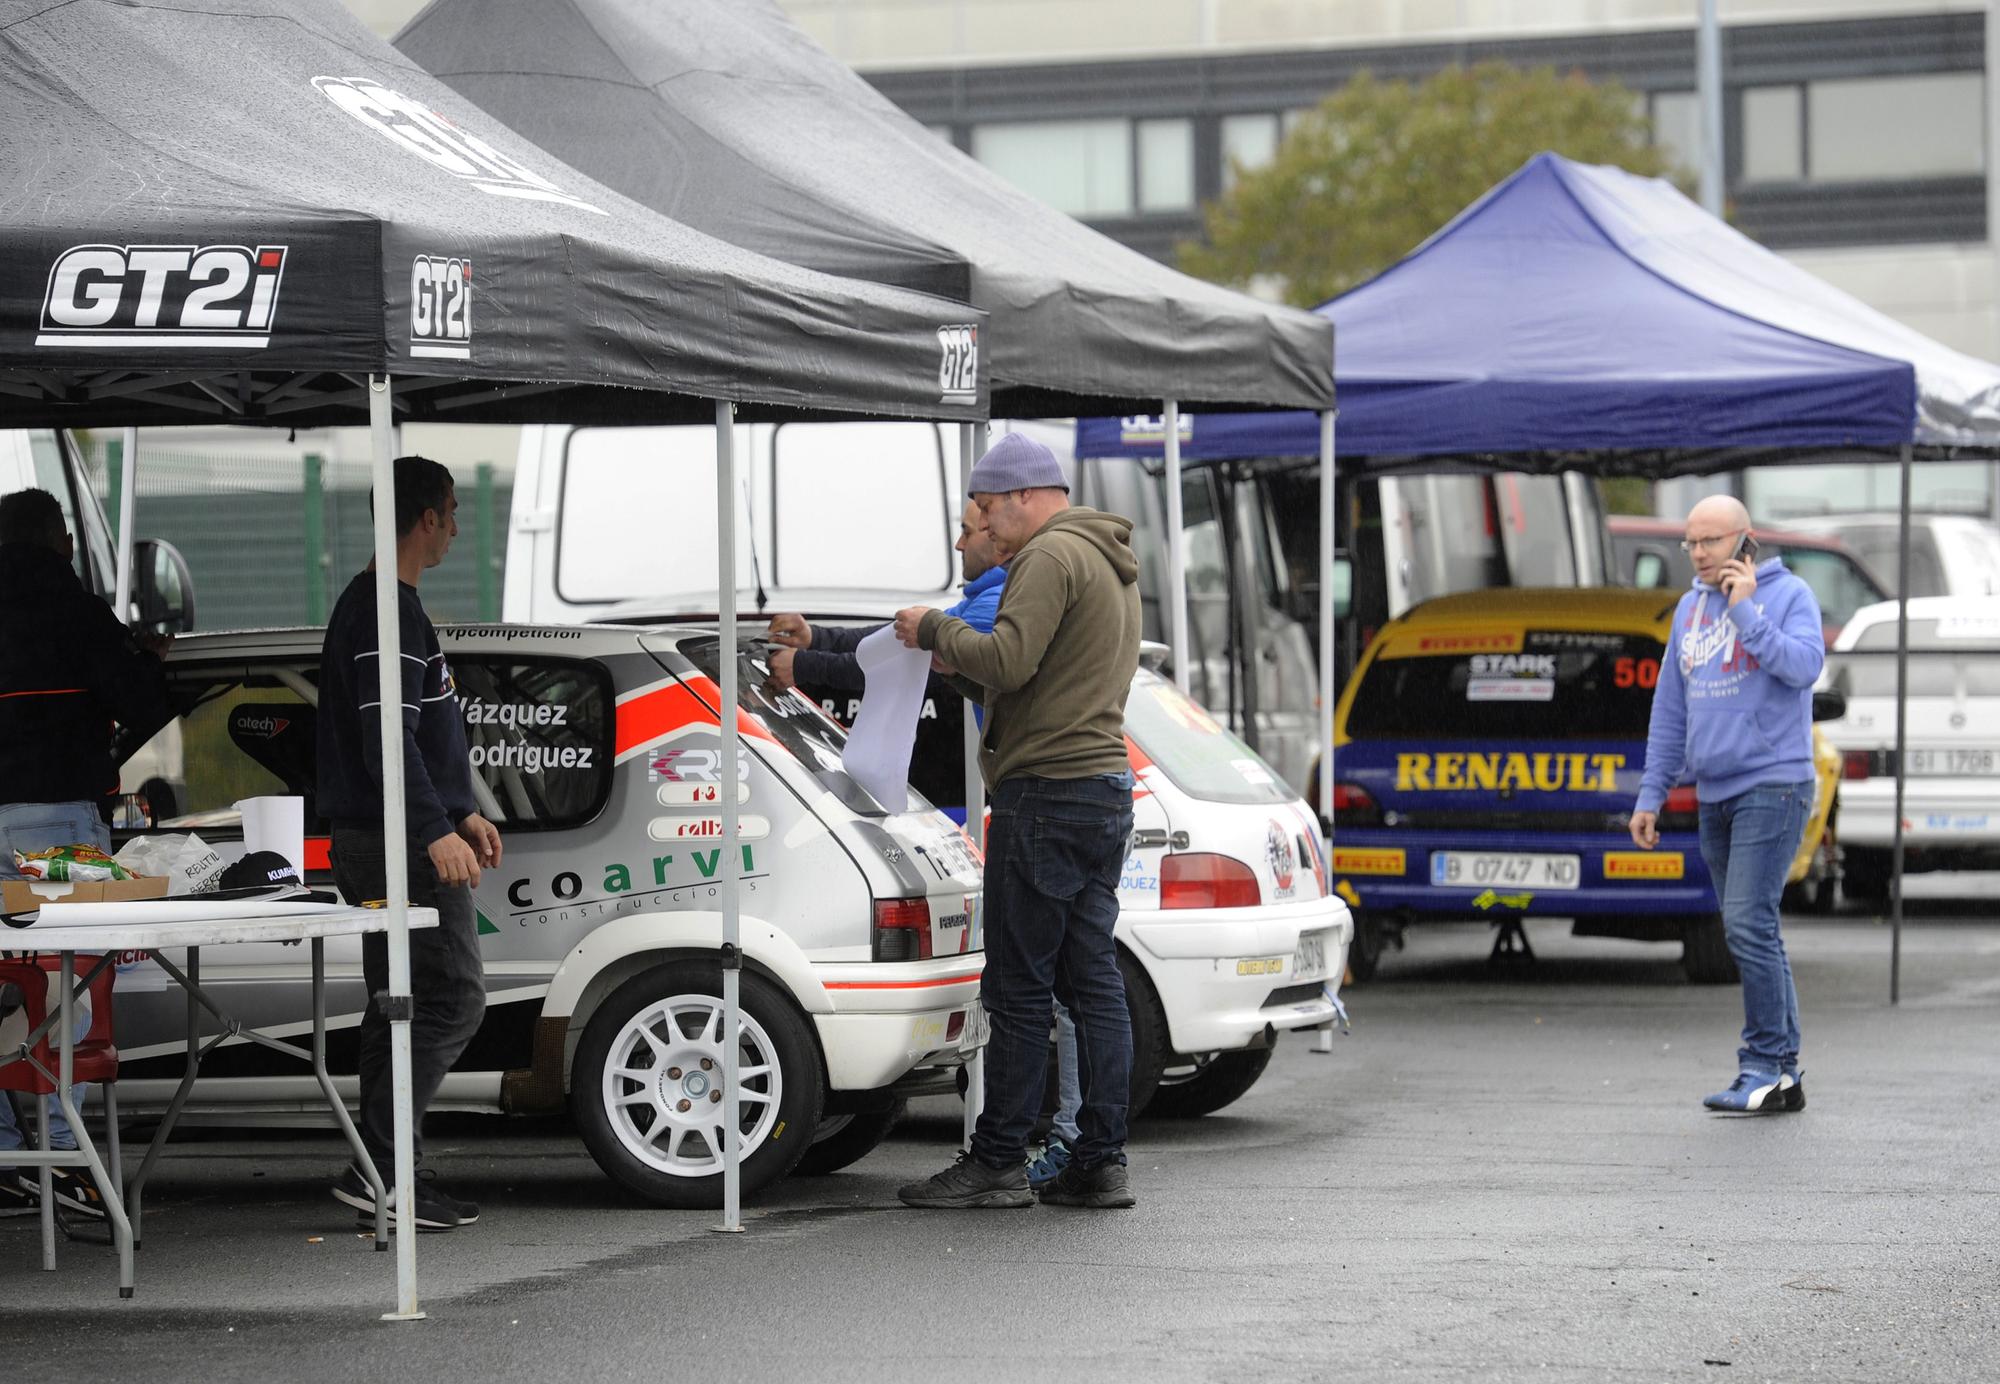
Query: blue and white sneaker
point(1046, 1169)
point(1758, 1093)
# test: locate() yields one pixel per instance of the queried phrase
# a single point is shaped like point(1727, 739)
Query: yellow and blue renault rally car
point(1487, 755)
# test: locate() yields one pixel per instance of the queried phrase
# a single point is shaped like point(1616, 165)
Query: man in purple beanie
point(1053, 675)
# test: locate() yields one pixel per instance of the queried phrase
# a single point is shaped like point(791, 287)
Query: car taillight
point(1857, 764)
point(1354, 805)
point(1198, 880)
point(1681, 801)
point(902, 930)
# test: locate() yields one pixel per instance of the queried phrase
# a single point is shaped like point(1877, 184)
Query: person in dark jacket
point(70, 673)
point(449, 841)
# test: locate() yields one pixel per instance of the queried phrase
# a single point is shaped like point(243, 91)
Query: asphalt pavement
point(1503, 1173)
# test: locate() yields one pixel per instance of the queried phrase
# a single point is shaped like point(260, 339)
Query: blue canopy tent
point(1582, 318)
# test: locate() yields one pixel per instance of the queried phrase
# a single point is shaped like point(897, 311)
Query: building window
point(1773, 134)
point(1083, 167)
point(1166, 165)
point(1677, 127)
point(1248, 142)
point(1896, 127)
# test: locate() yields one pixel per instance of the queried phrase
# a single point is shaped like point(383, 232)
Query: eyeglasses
point(1703, 545)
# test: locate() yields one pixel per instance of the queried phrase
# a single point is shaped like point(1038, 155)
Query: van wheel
point(842, 1140)
point(1364, 953)
point(1222, 1080)
point(1149, 1034)
point(646, 1091)
point(1705, 952)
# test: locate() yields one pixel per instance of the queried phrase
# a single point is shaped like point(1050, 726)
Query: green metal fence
point(273, 540)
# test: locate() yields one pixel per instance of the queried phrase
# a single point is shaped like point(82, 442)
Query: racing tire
point(1864, 876)
point(1224, 1079)
point(1364, 953)
point(1150, 1046)
point(1705, 954)
point(842, 1140)
point(1814, 896)
point(628, 1108)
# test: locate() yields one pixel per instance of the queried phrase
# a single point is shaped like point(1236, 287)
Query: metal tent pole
point(971, 446)
point(128, 492)
point(1902, 730)
point(1327, 699)
point(1708, 80)
point(1176, 548)
point(730, 872)
point(396, 1005)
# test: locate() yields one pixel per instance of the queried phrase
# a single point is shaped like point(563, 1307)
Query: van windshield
point(1541, 685)
point(1193, 749)
point(795, 722)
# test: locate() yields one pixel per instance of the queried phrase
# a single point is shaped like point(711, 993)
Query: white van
point(1950, 554)
point(163, 592)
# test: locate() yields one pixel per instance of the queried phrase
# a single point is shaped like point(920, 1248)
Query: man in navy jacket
point(1733, 710)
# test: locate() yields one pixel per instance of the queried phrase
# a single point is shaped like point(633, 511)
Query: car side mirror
point(1829, 704)
point(162, 588)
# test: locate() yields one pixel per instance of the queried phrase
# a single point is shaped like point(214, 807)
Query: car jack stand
point(1512, 943)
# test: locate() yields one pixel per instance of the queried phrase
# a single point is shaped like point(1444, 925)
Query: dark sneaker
point(18, 1195)
point(969, 1183)
point(466, 1211)
point(1055, 1157)
point(1757, 1093)
point(1106, 1187)
point(432, 1213)
point(76, 1190)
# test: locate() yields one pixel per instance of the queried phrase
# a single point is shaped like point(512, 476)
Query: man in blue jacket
point(1734, 710)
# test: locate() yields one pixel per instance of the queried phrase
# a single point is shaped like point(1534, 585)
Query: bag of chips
point(73, 864)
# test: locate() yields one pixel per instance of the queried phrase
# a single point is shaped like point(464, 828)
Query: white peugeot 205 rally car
point(595, 751)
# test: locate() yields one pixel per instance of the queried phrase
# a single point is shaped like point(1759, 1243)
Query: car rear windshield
point(795, 722)
point(1193, 749)
point(1957, 656)
point(1544, 685)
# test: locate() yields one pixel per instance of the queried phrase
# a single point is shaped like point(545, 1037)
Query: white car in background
point(1950, 554)
point(1951, 806)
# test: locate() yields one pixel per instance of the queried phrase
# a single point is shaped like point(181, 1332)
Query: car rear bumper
point(1225, 975)
point(890, 1019)
point(1389, 870)
point(1936, 812)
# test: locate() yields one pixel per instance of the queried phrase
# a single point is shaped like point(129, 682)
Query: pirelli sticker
point(1644, 865)
point(1386, 860)
point(1466, 642)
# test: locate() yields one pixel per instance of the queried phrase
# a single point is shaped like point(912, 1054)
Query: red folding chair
point(95, 1055)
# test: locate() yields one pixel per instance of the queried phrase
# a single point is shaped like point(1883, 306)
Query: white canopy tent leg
point(1328, 699)
point(730, 745)
point(1902, 729)
point(972, 445)
point(128, 491)
point(1176, 547)
point(395, 839)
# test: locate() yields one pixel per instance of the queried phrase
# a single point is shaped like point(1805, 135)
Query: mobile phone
point(1746, 548)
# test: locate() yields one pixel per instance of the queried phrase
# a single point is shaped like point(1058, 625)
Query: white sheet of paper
point(885, 729)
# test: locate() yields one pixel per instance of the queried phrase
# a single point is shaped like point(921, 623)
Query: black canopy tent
point(260, 213)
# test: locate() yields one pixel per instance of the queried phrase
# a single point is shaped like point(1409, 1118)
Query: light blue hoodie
point(1733, 709)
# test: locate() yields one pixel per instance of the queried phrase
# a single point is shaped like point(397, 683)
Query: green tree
point(1364, 177)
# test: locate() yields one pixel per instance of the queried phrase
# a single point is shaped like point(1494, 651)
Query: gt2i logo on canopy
point(437, 139)
point(441, 307)
point(958, 364)
point(162, 295)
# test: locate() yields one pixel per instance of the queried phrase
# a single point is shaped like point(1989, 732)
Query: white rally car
point(1229, 933)
point(1951, 805)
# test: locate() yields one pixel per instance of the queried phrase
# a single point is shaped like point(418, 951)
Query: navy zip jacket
point(437, 769)
point(68, 670)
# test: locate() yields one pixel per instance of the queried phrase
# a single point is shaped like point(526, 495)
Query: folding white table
point(312, 923)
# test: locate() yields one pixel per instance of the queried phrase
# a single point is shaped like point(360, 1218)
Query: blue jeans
point(27, 827)
point(1054, 848)
point(1749, 841)
point(1069, 1085)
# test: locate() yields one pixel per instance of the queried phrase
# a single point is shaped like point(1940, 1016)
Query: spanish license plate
point(1309, 961)
point(1491, 869)
point(1953, 763)
point(977, 1029)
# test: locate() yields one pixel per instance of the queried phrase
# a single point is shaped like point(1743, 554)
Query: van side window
point(540, 733)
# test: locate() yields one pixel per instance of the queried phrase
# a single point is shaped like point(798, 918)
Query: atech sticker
point(1644, 865)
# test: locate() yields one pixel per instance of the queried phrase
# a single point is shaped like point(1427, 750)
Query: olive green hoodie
point(1057, 667)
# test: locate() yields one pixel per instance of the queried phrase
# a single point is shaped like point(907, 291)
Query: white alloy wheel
point(662, 1085)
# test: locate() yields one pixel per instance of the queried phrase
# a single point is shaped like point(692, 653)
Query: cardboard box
point(26, 895)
